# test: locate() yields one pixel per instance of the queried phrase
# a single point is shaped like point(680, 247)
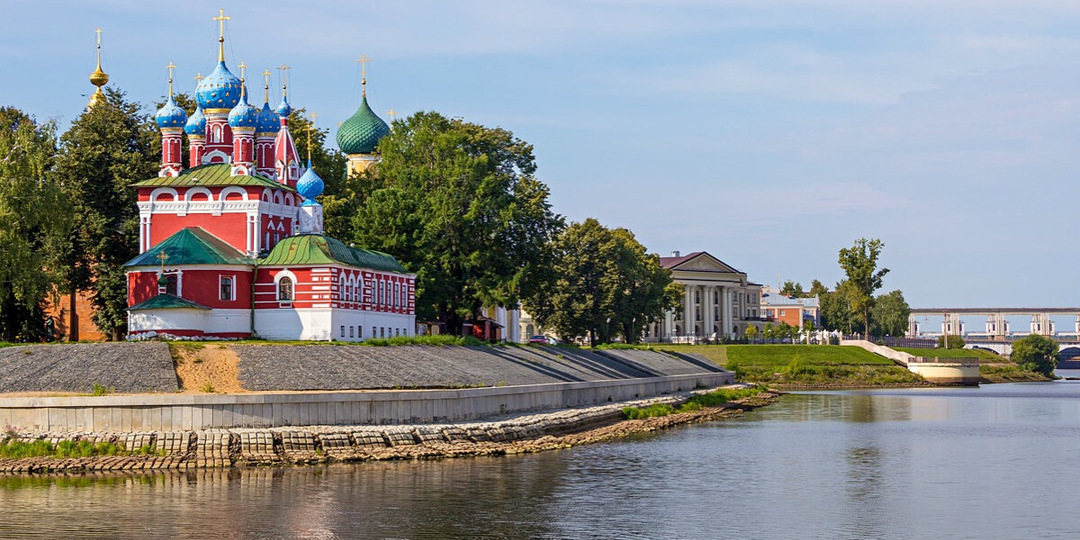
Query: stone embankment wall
point(221, 448)
point(171, 412)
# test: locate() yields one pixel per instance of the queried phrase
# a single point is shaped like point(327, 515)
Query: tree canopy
point(108, 148)
point(604, 285)
point(1036, 353)
point(458, 203)
point(863, 277)
point(792, 289)
point(34, 223)
point(889, 315)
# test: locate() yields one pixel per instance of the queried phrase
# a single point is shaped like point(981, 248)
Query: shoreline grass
point(695, 403)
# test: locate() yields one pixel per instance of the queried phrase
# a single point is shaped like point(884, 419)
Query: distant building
point(777, 308)
point(718, 302)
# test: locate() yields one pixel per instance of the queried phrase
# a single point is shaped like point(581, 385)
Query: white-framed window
point(227, 288)
point(343, 288)
point(285, 284)
point(351, 331)
point(343, 330)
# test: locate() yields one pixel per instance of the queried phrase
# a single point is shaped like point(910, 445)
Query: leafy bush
point(955, 342)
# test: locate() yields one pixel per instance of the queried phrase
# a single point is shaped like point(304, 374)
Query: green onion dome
point(360, 134)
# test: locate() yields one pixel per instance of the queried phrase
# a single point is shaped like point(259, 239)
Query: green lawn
point(805, 365)
point(985, 356)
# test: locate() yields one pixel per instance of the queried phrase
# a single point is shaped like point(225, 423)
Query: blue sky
point(770, 133)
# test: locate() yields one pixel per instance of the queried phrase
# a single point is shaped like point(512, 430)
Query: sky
point(769, 133)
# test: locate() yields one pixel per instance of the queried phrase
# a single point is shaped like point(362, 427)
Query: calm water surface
point(999, 461)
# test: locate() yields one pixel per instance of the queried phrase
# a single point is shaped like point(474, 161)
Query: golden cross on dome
point(162, 257)
point(171, 66)
point(391, 113)
point(98, 32)
point(266, 85)
point(284, 76)
point(310, 126)
point(221, 18)
point(198, 78)
point(363, 74)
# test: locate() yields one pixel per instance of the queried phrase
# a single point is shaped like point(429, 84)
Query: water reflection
point(994, 462)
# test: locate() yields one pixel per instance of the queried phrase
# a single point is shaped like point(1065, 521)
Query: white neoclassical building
point(719, 301)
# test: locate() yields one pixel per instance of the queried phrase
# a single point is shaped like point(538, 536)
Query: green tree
point(769, 332)
point(34, 222)
point(751, 332)
point(108, 148)
point(606, 285)
point(817, 288)
point(953, 342)
point(1036, 353)
point(792, 289)
point(889, 315)
point(863, 277)
point(458, 203)
point(836, 314)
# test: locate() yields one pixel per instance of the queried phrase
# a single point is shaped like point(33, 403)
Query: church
point(232, 246)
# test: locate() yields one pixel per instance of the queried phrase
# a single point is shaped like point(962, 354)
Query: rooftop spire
point(266, 86)
point(243, 72)
point(284, 76)
point(171, 67)
point(221, 18)
point(98, 78)
point(309, 128)
point(363, 74)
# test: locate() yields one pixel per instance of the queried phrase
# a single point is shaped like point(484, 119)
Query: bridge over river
point(999, 332)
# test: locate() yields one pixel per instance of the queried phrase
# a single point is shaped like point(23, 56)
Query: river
point(1000, 461)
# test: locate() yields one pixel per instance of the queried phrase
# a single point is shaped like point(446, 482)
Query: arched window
point(285, 289)
point(343, 289)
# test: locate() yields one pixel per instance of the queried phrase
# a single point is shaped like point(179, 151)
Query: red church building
point(232, 246)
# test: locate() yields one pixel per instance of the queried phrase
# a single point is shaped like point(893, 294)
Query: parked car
point(543, 340)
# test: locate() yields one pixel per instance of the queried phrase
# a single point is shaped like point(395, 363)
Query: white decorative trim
point(158, 192)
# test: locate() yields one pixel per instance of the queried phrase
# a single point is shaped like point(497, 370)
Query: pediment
point(706, 263)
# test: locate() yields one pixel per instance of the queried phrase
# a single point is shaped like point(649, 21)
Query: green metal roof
point(310, 249)
point(215, 174)
point(166, 301)
point(192, 245)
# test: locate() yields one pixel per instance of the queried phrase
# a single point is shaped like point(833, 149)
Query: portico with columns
point(718, 301)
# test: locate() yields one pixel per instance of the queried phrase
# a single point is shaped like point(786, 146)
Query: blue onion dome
point(220, 90)
point(269, 121)
point(243, 115)
point(283, 109)
point(170, 115)
point(310, 186)
point(196, 123)
point(360, 134)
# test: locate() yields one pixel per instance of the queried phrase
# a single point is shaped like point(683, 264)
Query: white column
point(688, 311)
point(725, 307)
point(669, 324)
point(707, 308)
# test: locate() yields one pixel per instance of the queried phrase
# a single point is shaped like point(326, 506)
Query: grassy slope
point(983, 356)
point(805, 365)
point(992, 367)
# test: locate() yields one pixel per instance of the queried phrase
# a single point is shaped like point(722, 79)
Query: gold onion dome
point(99, 78)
